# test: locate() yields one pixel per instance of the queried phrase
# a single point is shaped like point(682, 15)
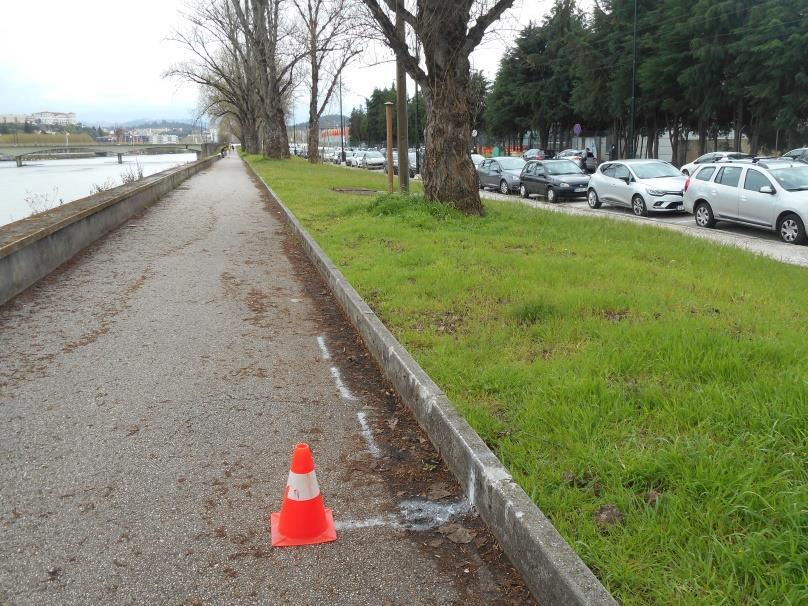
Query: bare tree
point(448, 35)
point(275, 55)
point(327, 25)
point(222, 66)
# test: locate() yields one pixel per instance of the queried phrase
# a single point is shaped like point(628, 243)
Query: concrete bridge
point(18, 152)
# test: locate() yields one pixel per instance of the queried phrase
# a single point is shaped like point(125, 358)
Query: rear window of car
point(729, 176)
point(755, 180)
point(705, 173)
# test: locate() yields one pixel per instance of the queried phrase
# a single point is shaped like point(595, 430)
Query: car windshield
point(511, 163)
point(374, 154)
point(564, 167)
point(792, 178)
point(655, 170)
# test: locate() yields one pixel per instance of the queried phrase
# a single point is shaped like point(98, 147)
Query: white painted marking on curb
point(344, 392)
point(471, 488)
point(323, 348)
point(367, 433)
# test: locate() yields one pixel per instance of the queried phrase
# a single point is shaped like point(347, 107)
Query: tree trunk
point(702, 137)
point(544, 136)
point(276, 144)
point(314, 114)
point(249, 131)
point(674, 137)
point(452, 180)
point(738, 124)
point(755, 140)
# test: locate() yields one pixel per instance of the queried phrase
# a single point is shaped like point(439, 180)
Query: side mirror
point(625, 180)
point(767, 189)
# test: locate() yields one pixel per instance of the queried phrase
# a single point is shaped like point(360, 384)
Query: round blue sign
point(577, 129)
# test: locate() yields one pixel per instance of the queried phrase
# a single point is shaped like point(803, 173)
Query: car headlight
point(563, 184)
point(655, 192)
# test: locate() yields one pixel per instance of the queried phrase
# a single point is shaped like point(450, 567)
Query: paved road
point(755, 240)
point(151, 392)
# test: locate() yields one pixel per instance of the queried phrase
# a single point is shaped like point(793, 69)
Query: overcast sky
point(103, 59)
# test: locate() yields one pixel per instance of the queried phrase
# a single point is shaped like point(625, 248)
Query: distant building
point(13, 119)
point(53, 118)
point(161, 139)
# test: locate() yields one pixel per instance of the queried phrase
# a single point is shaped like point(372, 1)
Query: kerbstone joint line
point(552, 570)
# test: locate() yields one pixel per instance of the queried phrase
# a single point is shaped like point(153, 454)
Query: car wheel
point(523, 191)
point(792, 229)
point(592, 198)
point(638, 206)
point(503, 187)
point(704, 215)
point(552, 198)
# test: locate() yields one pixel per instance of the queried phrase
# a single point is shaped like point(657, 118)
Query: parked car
point(800, 155)
point(725, 156)
point(502, 173)
point(477, 159)
point(642, 185)
point(356, 158)
point(554, 179)
point(770, 195)
point(586, 160)
point(411, 156)
point(534, 154)
point(372, 160)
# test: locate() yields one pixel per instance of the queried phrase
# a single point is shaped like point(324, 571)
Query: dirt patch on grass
point(355, 191)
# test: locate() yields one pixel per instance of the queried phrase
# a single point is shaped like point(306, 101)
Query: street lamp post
point(341, 124)
point(417, 128)
point(633, 85)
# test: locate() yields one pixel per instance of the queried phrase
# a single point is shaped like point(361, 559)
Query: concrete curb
point(32, 248)
point(552, 570)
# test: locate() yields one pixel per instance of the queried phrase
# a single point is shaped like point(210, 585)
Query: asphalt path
point(151, 392)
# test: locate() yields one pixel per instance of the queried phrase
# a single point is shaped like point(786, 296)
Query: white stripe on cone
point(302, 486)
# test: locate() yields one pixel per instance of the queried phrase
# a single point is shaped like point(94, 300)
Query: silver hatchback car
point(771, 195)
point(642, 185)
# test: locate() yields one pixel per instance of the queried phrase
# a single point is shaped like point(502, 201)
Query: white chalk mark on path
point(323, 348)
point(418, 515)
point(367, 433)
point(343, 391)
point(388, 521)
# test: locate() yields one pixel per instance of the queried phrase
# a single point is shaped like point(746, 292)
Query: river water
point(42, 184)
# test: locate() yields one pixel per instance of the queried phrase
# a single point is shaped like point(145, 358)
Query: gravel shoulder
point(151, 391)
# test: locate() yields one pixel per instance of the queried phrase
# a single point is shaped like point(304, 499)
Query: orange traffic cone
point(302, 520)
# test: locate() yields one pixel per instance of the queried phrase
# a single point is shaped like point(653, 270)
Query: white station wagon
point(770, 195)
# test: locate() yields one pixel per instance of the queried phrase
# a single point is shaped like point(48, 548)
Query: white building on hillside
point(13, 119)
point(163, 138)
point(53, 118)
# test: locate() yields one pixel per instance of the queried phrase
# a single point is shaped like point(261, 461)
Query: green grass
point(604, 363)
